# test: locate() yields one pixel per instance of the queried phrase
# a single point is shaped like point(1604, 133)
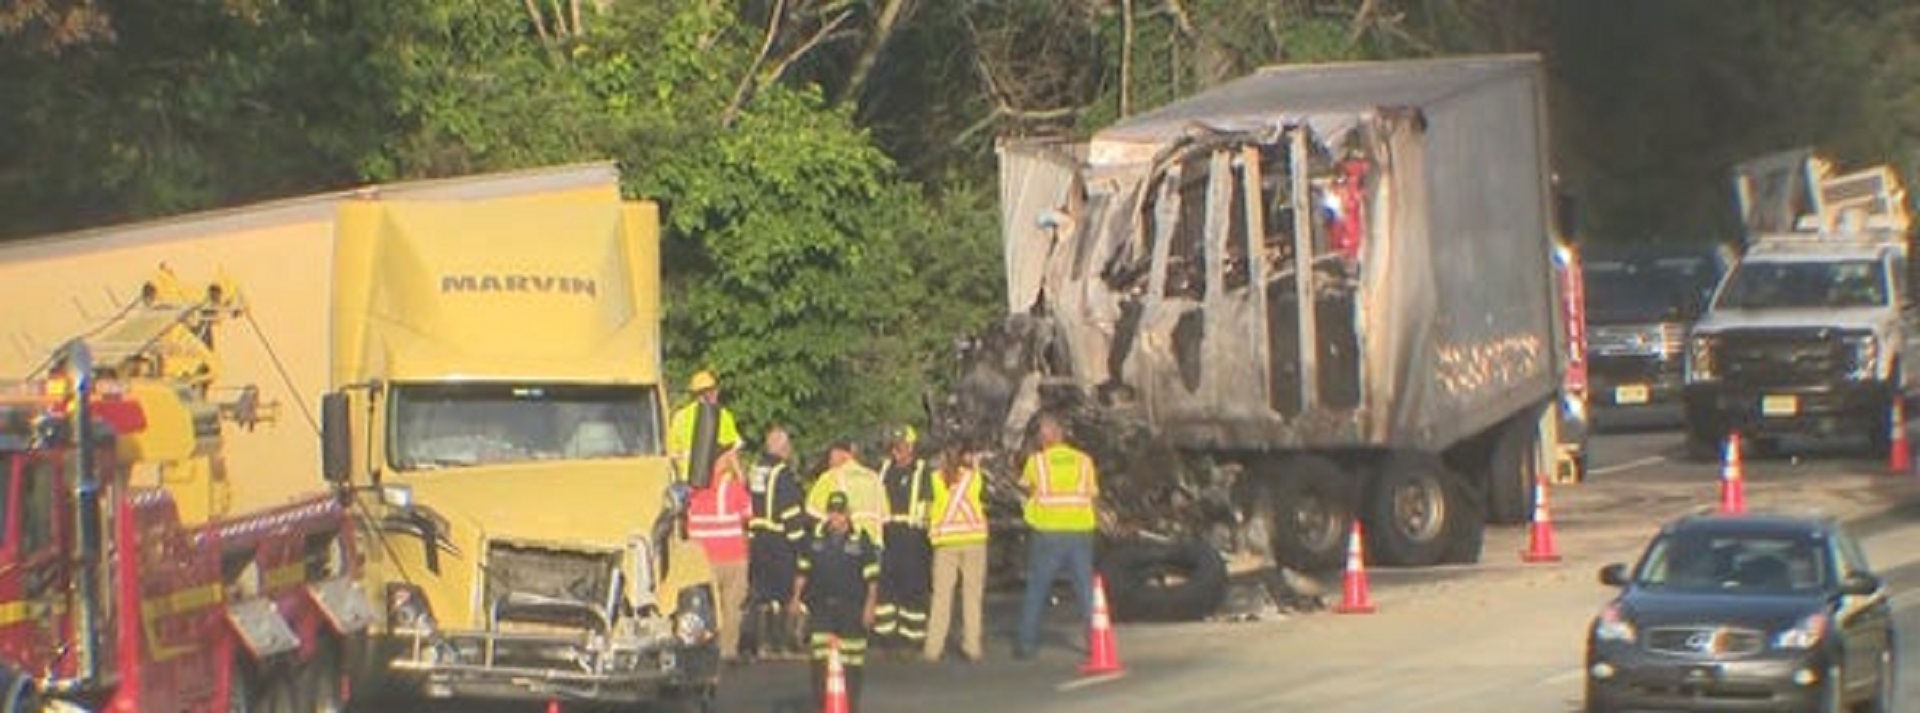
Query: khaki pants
point(730, 587)
point(967, 563)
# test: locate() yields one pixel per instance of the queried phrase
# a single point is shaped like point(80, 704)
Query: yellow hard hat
point(702, 380)
point(903, 434)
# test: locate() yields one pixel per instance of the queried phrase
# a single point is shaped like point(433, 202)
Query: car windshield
point(1747, 564)
point(1773, 285)
point(456, 425)
point(1620, 291)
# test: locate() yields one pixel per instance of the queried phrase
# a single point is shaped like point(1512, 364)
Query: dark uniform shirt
point(838, 567)
point(909, 491)
point(778, 502)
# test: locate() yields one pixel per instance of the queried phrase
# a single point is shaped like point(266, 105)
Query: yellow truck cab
point(475, 365)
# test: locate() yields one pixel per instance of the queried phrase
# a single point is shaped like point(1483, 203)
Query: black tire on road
point(1511, 470)
point(1311, 504)
point(1153, 581)
point(1419, 513)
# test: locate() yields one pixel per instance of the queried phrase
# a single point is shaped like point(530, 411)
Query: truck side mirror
point(336, 449)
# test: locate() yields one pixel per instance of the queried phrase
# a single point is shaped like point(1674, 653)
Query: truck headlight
point(640, 575)
point(407, 608)
point(693, 615)
point(1700, 353)
point(1863, 352)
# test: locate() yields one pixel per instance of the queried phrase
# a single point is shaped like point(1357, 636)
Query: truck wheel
point(1176, 581)
point(319, 680)
point(1512, 469)
point(1312, 513)
point(1412, 511)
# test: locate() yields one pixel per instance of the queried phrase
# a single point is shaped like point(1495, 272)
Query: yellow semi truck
point(474, 365)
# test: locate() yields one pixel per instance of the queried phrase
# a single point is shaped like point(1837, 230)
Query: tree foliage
point(827, 166)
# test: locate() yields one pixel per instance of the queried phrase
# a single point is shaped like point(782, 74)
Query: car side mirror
point(1859, 585)
point(1614, 575)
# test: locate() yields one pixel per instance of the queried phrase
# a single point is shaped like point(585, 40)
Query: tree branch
point(1126, 58)
point(744, 90)
point(826, 33)
point(539, 21)
point(884, 23)
point(1361, 18)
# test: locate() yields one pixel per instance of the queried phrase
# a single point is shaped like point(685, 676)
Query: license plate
point(1779, 405)
point(1631, 394)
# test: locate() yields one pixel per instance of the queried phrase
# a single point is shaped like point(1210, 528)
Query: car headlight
point(407, 608)
point(1863, 351)
point(1611, 625)
point(1804, 635)
point(1700, 366)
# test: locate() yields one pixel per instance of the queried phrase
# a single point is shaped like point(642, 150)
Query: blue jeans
point(1047, 554)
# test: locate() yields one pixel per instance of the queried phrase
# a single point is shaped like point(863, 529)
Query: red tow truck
point(110, 601)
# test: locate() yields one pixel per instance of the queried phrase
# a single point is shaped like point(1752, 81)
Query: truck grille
point(1705, 642)
point(1784, 357)
point(1637, 340)
point(535, 584)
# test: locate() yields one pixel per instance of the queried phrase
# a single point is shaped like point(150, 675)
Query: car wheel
point(1175, 581)
point(1886, 683)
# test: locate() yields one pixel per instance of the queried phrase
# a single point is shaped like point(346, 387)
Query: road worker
point(717, 519)
point(838, 582)
point(959, 537)
point(1060, 485)
point(907, 564)
point(778, 528)
point(865, 496)
point(704, 387)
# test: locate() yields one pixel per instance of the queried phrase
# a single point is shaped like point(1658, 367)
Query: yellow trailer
point(475, 363)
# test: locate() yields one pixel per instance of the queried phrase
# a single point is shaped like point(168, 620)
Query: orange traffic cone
point(1355, 598)
point(1733, 479)
point(553, 706)
point(1899, 455)
point(1103, 651)
point(836, 701)
point(1540, 546)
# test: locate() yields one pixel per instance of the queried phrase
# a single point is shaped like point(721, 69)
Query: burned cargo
point(1310, 296)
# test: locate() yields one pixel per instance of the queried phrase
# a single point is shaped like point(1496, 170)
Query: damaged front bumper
point(547, 666)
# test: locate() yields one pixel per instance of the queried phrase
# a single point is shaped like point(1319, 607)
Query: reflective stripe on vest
point(961, 517)
point(772, 521)
point(916, 510)
point(719, 524)
point(1043, 490)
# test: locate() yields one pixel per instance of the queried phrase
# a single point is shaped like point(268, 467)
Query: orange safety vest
point(961, 516)
point(717, 518)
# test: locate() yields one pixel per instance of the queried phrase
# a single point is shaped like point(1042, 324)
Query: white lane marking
point(1562, 677)
point(1629, 465)
point(1080, 683)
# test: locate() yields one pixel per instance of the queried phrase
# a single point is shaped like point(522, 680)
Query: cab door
point(33, 573)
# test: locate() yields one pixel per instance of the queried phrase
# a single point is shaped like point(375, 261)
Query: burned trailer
point(1328, 291)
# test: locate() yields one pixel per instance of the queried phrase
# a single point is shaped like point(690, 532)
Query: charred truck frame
point(1156, 280)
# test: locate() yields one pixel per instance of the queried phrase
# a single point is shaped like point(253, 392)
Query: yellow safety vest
point(866, 497)
point(680, 434)
point(1063, 484)
point(959, 520)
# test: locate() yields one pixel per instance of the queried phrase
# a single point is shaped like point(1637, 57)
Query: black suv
point(1744, 613)
point(1641, 302)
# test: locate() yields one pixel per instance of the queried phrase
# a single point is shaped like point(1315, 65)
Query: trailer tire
point(1312, 510)
point(1137, 590)
point(1418, 512)
point(1512, 469)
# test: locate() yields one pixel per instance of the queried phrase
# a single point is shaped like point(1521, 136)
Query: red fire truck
point(110, 601)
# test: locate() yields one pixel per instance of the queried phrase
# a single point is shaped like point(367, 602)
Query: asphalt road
point(1493, 637)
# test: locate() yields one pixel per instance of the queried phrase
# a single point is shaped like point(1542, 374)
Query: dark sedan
point(1744, 613)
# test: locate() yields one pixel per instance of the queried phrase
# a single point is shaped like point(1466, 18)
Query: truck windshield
point(1775, 285)
point(457, 425)
point(1647, 291)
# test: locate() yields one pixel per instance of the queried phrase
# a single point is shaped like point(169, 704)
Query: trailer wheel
point(1312, 512)
point(1511, 471)
point(1416, 511)
point(1176, 581)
